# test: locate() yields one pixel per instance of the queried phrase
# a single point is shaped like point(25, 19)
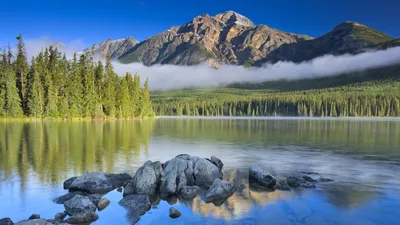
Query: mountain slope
point(225, 38)
point(113, 48)
point(347, 37)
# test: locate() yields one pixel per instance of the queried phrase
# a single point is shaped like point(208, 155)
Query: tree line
point(53, 86)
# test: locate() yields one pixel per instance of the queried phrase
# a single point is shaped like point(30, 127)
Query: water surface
point(362, 156)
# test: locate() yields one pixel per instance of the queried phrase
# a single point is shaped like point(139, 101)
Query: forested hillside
point(370, 93)
point(53, 86)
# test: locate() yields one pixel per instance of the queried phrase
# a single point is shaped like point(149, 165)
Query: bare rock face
point(147, 179)
point(227, 37)
point(112, 48)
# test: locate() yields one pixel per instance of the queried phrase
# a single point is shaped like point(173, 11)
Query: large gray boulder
point(185, 170)
point(261, 177)
point(99, 182)
point(79, 204)
point(205, 172)
point(217, 162)
point(135, 205)
point(83, 218)
point(146, 180)
point(219, 190)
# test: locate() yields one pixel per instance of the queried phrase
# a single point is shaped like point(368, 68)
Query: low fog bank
point(167, 77)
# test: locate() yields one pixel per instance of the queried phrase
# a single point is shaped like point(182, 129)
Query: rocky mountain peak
point(231, 18)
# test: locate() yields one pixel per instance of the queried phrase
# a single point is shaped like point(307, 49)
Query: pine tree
point(12, 99)
point(109, 89)
point(146, 107)
point(75, 91)
point(135, 96)
point(3, 62)
point(21, 70)
point(123, 98)
point(35, 95)
point(89, 92)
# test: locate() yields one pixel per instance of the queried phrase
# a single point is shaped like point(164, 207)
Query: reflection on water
point(362, 156)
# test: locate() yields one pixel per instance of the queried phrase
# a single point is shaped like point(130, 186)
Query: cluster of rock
point(184, 176)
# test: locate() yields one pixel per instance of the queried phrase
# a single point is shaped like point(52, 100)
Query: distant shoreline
point(389, 119)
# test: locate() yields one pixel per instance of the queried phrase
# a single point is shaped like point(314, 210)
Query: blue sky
point(93, 21)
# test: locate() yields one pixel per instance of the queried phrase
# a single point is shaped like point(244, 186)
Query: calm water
point(362, 156)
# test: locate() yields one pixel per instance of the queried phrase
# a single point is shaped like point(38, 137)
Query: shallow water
point(362, 156)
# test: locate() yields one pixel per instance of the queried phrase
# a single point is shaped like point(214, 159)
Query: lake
point(362, 156)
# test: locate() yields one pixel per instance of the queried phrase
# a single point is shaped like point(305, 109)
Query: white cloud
point(164, 77)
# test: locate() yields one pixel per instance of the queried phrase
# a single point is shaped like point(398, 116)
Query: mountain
point(113, 48)
point(347, 37)
point(231, 38)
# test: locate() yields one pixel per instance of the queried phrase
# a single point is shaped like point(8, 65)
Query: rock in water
point(309, 178)
point(185, 170)
point(189, 192)
point(308, 185)
point(34, 216)
point(68, 182)
point(103, 203)
point(217, 162)
point(62, 199)
point(174, 213)
point(205, 172)
point(282, 185)
point(259, 176)
point(293, 182)
point(99, 182)
point(325, 179)
point(6, 221)
point(79, 204)
point(34, 222)
point(60, 216)
point(219, 190)
point(146, 180)
point(83, 217)
point(135, 205)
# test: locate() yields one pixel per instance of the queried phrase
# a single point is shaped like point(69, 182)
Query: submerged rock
point(308, 185)
point(6, 221)
point(174, 213)
point(220, 190)
point(34, 216)
point(103, 203)
point(217, 162)
point(261, 177)
point(325, 179)
point(135, 205)
point(83, 217)
point(146, 180)
point(39, 222)
point(309, 178)
point(189, 192)
point(68, 182)
point(98, 182)
point(79, 204)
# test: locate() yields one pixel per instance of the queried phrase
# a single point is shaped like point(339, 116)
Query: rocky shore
point(184, 177)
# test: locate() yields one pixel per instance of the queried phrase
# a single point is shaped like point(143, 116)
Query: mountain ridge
point(231, 38)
